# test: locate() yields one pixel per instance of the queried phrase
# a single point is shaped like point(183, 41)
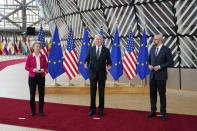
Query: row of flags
point(67, 61)
point(17, 45)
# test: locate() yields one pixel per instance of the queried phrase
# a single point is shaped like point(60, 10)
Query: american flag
point(70, 64)
point(43, 45)
point(129, 60)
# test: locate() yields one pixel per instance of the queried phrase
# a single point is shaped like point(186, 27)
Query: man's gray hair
point(97, 36)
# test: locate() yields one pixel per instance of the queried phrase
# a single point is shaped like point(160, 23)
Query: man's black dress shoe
point(163, 117)
point(41, 114)
point(151, 115)
point(91, 113)
point(32, 114)
point(101, 113)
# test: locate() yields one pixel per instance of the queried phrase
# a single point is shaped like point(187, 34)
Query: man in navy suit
point(97, 57)
point(160, 58)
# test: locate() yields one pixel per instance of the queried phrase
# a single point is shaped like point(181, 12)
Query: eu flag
point(116, 70)
point(142, 60)
point(55, 60)
point(84, 49)
point(101, 33)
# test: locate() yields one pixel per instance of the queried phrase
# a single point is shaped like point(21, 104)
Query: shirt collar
point(159, 47)
point(35, 55)
point(99, 47)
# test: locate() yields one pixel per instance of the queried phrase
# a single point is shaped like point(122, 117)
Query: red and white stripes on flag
point(129, 64)
point(70, 63)
point(129, 60)
point(44, 52)
point(41, 38)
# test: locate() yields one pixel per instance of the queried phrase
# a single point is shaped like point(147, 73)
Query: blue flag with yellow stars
point(142, 60)
point(84, 49)
point(55, 60)
point(116, 70)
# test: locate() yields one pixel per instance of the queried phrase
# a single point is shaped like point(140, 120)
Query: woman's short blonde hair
point(36, 42)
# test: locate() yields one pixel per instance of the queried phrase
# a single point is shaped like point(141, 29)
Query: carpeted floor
point(4, 64)
point(63, 117)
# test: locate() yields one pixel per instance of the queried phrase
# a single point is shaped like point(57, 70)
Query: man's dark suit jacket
point(164, 59)
point(99, 65)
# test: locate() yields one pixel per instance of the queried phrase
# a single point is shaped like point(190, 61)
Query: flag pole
point(55, 83)
point(145, 82)
point(115, 83)
point(117, 23)
point(118, 83)
point(145, 26)
point(130, 84)
point(84, 84)
point(142, 83)
point(69, 82)
point(87, 24)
